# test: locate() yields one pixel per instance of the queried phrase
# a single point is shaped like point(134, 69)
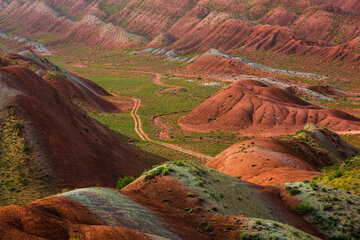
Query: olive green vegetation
point(344, 175)
point(22, 178)
point(123, 182)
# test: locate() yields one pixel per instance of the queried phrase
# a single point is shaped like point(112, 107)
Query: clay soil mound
point(58, 218)
point(76, 150)
point(279, 16)
point(251, 107)
point(269, 160)
point(213, 63)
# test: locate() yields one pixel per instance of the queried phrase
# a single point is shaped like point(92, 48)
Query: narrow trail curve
point(138, 123)
point(134, 115)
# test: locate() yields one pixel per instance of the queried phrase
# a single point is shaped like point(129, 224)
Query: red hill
point(251, 107)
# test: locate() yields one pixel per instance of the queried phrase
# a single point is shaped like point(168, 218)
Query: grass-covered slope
point(22, 176)
point(344, 175)
point(195, 189)
point(334, 212)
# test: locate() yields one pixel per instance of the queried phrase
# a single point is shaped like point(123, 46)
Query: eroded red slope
point(251, 107)
point(267, 161)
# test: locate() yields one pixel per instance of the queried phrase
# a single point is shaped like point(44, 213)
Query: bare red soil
point(93, 31)
point(279, 16)
point(347, 5)
point(251, 107)
point(58, 218)
point(79, 151)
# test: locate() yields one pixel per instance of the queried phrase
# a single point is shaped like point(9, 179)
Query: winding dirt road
point(138, 124)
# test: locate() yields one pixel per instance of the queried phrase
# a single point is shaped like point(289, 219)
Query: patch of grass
point(156, 172)
point(123, 182)
point(55, 75)
point(302, 208)
point(344, 175)
point(22, 178)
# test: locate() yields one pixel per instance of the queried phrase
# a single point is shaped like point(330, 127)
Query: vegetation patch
point(123, 182)
point(334, 211)
point(344, 175)
point(22, 179)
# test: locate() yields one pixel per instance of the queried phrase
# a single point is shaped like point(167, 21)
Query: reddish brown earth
point(212, 63)
point(331, 91)
point(58, 218)
point(78, 151)
point(286, 27)
point(251, 107)
point(95, 32)
point(268, 161)
point(347, 5)
point(164, 39)
point(70, 86)
point(279, 16)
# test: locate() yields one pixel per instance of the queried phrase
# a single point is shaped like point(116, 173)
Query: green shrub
point(302, 209)
point(124, 182)
point(336, 174)
point(294, 191)
point(55, 75)
point(165, 171)
point(314, 186)
point(245, 236)
point(156, 172)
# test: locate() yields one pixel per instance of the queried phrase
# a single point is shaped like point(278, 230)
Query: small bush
point(244, 236)
point(19, 128)
point(190, 210)
point(124, 182)
point(302, 209)
point(314, 186)
point(165, 171)
point(157, 172)
point(336, 174)
point(55, 75)
point(294, 191)
point(200, 183)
